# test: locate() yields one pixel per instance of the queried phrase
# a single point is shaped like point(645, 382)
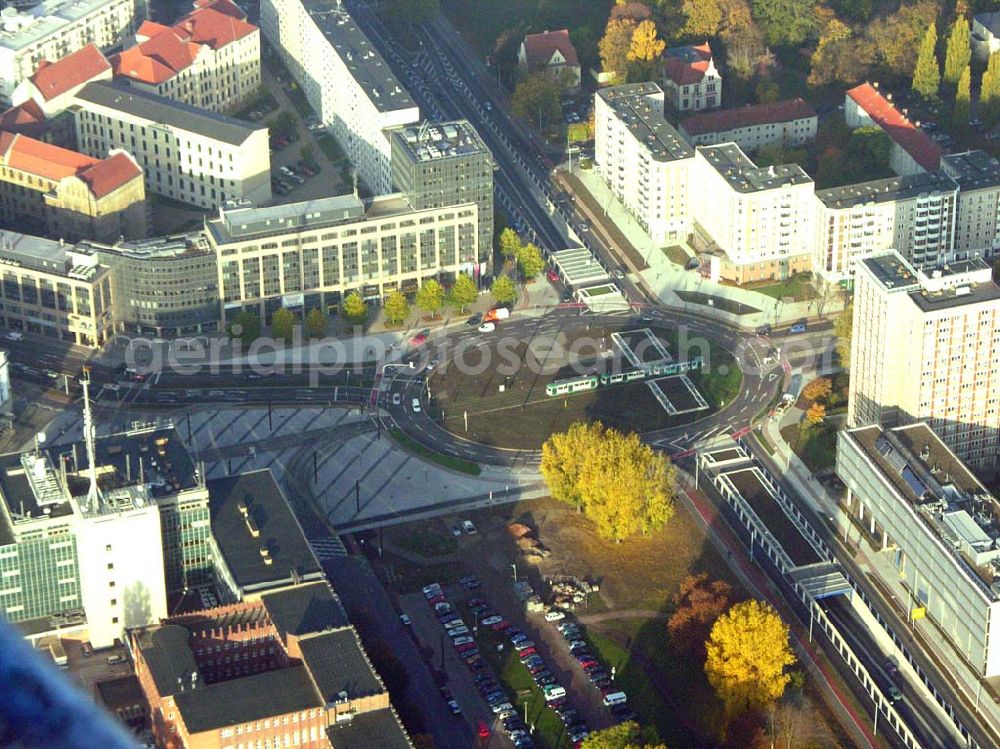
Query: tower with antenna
point(93, 495)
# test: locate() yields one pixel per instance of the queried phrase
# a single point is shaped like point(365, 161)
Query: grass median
point(447, 461)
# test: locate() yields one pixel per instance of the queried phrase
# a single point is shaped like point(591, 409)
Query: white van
point(13, 335)
point(615, 698)
point(554, 692)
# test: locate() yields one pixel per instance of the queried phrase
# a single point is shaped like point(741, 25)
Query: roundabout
point(494, 399)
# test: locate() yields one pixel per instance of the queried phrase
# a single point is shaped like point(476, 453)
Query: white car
point(396, 399)
point(462, 641)
point(469, 528)
point(405, 619)
point(491, 620)
point(487, 327)
point(416, 405)
point(554, 615)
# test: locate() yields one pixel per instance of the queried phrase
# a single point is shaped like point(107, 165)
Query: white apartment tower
point(56, 28)
point(344, 78)
point(926, 347)
point(643, 159)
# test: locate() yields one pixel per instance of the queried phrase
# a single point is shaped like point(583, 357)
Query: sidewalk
point(879, 568)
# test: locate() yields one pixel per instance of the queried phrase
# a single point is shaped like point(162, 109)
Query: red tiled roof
point(539, 48)
point(54, 78)
point(132, 63)
point(55, 163)
point(226, 7)
point(687, 65)
point(214, 26)
point(910, 138)
point(28, 113)
point(149, 29)
point(752, 114)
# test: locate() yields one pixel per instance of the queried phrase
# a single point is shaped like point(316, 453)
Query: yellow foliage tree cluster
point(624, 486)
point(819, 389)
point(747, 657)
point(815, 414)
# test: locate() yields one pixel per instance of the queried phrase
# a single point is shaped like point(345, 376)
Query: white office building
point(926, 347)
point(187, 154)
point(55, 28)
point(643, 159)
point(344, 78)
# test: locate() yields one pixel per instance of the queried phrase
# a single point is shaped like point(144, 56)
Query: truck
point(500, 313)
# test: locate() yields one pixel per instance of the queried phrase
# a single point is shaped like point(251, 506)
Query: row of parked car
point(614, 700)
point(297, 173)
point(554, 693)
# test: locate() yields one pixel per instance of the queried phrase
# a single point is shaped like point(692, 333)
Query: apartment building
point(344, 79)
point(54, 289)
point(759, 222)
point(642, 158)
point(310, 255)
point(54, 29)
point(65, 194)
point(977, 225)
point(187, 154)
point(915, 495)
point(783, 123)
point(927, 348)
point(209, 59)
point(912, 151)
point(691, 80)
point(914, 214)
point(286, 669)
point(54, 84)
point(444, 164)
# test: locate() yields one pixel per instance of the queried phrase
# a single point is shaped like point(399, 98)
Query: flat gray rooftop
point(887, 190)
point(357, 52)
point(439, 141)
point(891, 270)
point(745, 176)
point(645, 121)
point(163, 111)
point(378, 728)
point(338, 664)
point(247, 222)
point(972, 169)
point(302, 609)
point(48, 255)
point(46, 19)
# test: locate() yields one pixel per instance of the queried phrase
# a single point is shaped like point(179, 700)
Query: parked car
point(554, 615)
point(469, 528)
point(799, 327)
point(487, 327)
point(415, 405)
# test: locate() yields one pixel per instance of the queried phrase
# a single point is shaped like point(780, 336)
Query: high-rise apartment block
point(926, 347)
point(977, 218)
point(55, 28)
point(643, 159)
point(446, 164)
point(344, 79)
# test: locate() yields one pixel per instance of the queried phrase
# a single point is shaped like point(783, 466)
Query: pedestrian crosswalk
point(327, 548)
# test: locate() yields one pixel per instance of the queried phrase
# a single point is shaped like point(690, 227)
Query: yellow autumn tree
point(748, 656)
point(615, 46)
point(815, 414)
point(624, 486)
point(645, 47)
point(818, 389)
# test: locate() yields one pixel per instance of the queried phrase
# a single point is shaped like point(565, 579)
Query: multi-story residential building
point(914, 214)
point(285, 669)
point(56, 28)
point(446, 164)
point(552, 52)
point(985, 34)
point(926, 347)
point(197, 157)
point(977, 224)
point(642, 158)
point(67, 195)
point(912, 151)
point(344, 79)
point(783, 123)
point(209, 59)
point(54, 84)
point(310, 255)
point(54, 289)
point(914, 493)
point(760, 221)
point(163, 286)
point(691, 79)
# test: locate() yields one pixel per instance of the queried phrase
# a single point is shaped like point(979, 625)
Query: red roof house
point(913, 151)
point(691, 78)
point(549, 50)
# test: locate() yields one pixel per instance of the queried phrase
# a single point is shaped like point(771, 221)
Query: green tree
point(870, 148)
point(283, 324)
point(463, 292)
point(989, 92)
point(926, 73)
point(896, 37)
point(510, 243)
point(354, 309)
point(620, 483)
point(702, 18)
point(396, 308)
point(579, 132)
point(628, 735)
point(503, 290)
point(536, 99)
point(958, 53)
point(785, 23)
point(316, 323)
point(246, 327)
point(843, 328)
point(767, 91)
point(747, 657)
point(430, 297)
point(412, 12)
point(963, 98)
point(530, 261)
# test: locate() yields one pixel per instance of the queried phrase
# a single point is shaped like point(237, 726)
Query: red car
point(552, 274)
point(418, 340)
